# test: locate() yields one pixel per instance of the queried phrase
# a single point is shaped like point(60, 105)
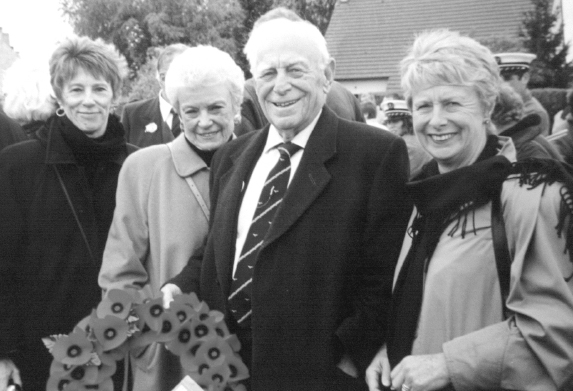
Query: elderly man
point(307, 220)
point(153, 121)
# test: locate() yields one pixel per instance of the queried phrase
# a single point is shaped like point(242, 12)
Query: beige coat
point(158, 223)
point(461, 314)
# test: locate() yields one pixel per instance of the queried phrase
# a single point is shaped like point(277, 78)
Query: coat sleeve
point(127, 245)
point(388, 210)
point(533, 349)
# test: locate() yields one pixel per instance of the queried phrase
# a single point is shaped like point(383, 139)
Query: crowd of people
point(431, 252)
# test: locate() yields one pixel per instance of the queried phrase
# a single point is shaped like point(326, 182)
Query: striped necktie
point(271, 196)
point(175, 124)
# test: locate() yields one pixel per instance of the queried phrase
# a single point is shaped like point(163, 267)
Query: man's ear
point(525, 78)
point(329, 75)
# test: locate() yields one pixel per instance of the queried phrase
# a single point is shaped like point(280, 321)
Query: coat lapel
point(310, 178)
point(232, 184)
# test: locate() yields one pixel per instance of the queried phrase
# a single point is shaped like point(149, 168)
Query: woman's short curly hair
point(204, 66)
point(93, 56)
point(28, 94)
point(444, 57)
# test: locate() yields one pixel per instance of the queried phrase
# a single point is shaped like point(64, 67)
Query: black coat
point(323, 279)
point(48, 280)
point(10, 131)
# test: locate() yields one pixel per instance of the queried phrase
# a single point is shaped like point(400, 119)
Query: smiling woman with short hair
point(57, 196)
point(484, 292)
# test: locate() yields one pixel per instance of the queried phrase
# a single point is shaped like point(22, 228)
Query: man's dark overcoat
point(323, 279)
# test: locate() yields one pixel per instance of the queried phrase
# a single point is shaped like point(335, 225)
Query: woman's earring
point(486, 121)
point(60, 112)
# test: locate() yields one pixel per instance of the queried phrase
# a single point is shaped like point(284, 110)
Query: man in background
point(514, 69)
point(153, 121)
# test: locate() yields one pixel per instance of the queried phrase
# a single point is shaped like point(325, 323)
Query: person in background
point(399, 122)
point(10, 131)
point(525, 132)
point(29, 98)
point(154, 121)
point(483, 298)
point(162, 213)
point(338, 99)
point(563, 140)
point(514, 69)
point(370, 114)
point(57, 196)
point(306, 217)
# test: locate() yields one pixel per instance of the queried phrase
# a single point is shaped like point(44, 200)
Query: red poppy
point(149, 313)
point(170, 326)
point(74, 349)
point(110, 331)
point(117, 302)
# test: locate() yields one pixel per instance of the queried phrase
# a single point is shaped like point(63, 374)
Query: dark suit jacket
point(339, 99)
point(322, 282)
point(135, 118)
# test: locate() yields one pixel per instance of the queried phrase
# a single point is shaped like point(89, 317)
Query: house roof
point(368, 38)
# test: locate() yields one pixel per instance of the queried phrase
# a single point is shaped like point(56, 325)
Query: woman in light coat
point(162, 212)
point(484, 294)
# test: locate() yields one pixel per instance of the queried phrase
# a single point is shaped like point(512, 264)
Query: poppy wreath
point(86, 358)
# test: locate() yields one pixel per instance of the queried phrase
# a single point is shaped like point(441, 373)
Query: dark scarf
point(91, 152)
point(207, 156)
point(441, 199)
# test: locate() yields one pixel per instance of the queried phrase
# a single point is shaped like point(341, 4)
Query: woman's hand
point(169, 290)
point(8, 371)
point(421, 373)
point(378, 372)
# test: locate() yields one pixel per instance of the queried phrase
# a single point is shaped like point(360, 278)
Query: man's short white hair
point(272, 29)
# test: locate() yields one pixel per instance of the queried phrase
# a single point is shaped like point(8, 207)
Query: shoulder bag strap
point(194, 190)
point(501, 250)
point(75, 214)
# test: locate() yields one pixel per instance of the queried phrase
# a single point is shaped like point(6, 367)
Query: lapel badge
point(150, 127)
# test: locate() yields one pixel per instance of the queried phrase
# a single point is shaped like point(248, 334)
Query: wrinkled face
point(290, 84)
point(206, 114)
point(396, 126)
point(449, 122)
point(87, 101)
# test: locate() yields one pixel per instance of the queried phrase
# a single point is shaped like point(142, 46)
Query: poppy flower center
point(182, 316)
point(218, 378)
point(166, 327)
point(214, 353)
point(184, 336)
point(156, 310)
point(202, 368)
point(78, 373)
point(74, 351)
point(110, 333)
point(201, 331)
point(116, 308)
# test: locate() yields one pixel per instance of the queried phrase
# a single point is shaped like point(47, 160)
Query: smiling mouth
point(285, 104)
point(441, 137)
point(208, 134)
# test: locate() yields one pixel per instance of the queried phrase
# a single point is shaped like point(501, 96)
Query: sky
point(35, 26)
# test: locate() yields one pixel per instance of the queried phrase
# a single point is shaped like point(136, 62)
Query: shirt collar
point(274, 138)
point(165, 107)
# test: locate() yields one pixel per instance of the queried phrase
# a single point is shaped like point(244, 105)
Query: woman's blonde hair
point(443, 57)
